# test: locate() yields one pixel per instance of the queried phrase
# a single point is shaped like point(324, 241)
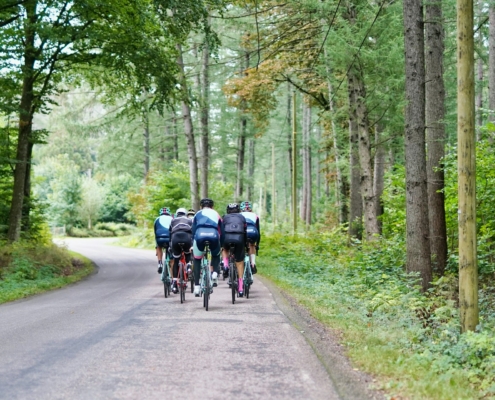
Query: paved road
point(114, 336)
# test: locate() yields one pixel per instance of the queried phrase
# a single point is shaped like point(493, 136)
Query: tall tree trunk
point(340, 193)
point(491, 61)
point(417, 241)
point(251, 165)
point(435, 133)
point(241, 141)
point(304, 198)
point(146, 143)
point(176, 136)
point(26, 111)
point(205, 111)
point(379, 175)
point(356, 201)
point(189, 133)
point(289, 134)
point(466, 168)
point(365, 161)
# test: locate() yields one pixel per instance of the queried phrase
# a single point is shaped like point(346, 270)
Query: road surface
point(115, 336)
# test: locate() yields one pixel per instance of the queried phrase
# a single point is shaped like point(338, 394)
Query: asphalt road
point(114, 336)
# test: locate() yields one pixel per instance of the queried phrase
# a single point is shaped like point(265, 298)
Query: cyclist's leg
point(239, 263)
point(198, 247)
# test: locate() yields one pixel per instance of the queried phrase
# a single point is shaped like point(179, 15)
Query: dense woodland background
point(108, 113)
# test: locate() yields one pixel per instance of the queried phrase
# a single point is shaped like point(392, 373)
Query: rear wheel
point(207, 290)
point(233, 278)
point(182, 289)
point(166, 284)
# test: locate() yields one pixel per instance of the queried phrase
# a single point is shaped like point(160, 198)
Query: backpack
point(234, 223)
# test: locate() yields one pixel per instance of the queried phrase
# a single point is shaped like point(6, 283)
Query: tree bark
point(241, 143)
point(189, 133)
point(379, 175)
point(26, 111)
point(466, 155)
point(205, 111)
point(251, 165)
point(356, 201)
point(417, 227)
point(146, 143)
point(491, 61)
point(365, 161)
point(435, 133)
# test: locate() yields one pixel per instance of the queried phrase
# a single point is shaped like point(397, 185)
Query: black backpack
point(234, 223)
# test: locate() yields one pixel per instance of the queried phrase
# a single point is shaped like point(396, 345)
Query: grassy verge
point(408, 340)
point(27, 269)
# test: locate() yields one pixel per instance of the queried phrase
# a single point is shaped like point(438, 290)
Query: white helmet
point(181, 212)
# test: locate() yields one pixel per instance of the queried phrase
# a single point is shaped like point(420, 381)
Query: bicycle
point(183, 275)
point(206, 276)
point(248, 275)
point(166, 275)
point(232, 273)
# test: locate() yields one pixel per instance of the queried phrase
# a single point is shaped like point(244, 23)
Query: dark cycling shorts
point(177, 239)
point(204, 235)
point(162, 242)
point(237, 241)
point(252, 234)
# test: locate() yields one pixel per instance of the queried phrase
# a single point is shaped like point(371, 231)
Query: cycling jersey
point(253, 226)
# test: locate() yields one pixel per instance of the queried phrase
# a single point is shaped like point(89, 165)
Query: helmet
point(246, 206)
point(181, 212)
point(165, 211)
point(207, 203)
point(191, 212)
point(233, 208)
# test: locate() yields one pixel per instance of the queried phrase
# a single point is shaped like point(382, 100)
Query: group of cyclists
point(238, 228)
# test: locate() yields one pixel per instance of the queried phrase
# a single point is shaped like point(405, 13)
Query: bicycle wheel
point(233, 278)
point(166, 284)
point(207, 288)
point(247, 279)
point(182, 289)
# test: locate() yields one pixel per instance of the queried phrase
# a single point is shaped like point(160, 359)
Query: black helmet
point(207, 203)
point(233, 208)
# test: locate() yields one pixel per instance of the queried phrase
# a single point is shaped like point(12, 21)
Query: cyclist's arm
point(221, 229)
point(259, 231)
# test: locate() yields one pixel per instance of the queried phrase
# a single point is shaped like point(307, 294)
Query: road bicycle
point(233, 282)
point(183, 275)
point(248, 275)
point(206, 276)
point(167, 281)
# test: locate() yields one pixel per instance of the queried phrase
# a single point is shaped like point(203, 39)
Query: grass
point(375, 312)
point(27, 269)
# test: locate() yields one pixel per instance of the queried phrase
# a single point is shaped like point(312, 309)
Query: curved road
point(114, 336)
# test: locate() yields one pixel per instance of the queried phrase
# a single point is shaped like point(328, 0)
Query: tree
point(418, 245)
point(468, 269)
point(435, 132)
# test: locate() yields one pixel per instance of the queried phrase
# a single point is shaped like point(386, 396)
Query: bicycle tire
point(166, 285)
point(233, 278)
point(181, 283)
point(207, 290)
point(247, 279)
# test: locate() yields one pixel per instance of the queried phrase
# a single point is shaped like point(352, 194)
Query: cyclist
point(190, 213)
point(162, 234)
point(207, 227)
point(180, 232)
point(234, 226)
point(253, 231)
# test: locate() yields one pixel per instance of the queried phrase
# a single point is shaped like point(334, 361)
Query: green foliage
point(27, 269)
point(485, 193)
point(411, 341)
point(116, 205)
point(161, 189)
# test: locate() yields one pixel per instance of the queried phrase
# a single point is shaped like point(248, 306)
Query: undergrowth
point(410, 340)
point(31, 268)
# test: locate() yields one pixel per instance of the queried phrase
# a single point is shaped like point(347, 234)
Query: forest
point(357, 130)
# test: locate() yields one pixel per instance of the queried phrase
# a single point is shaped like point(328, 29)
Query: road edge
point(349, 382)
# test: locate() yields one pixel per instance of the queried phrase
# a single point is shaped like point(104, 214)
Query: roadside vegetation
point(28, 268)
point(409, 340)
